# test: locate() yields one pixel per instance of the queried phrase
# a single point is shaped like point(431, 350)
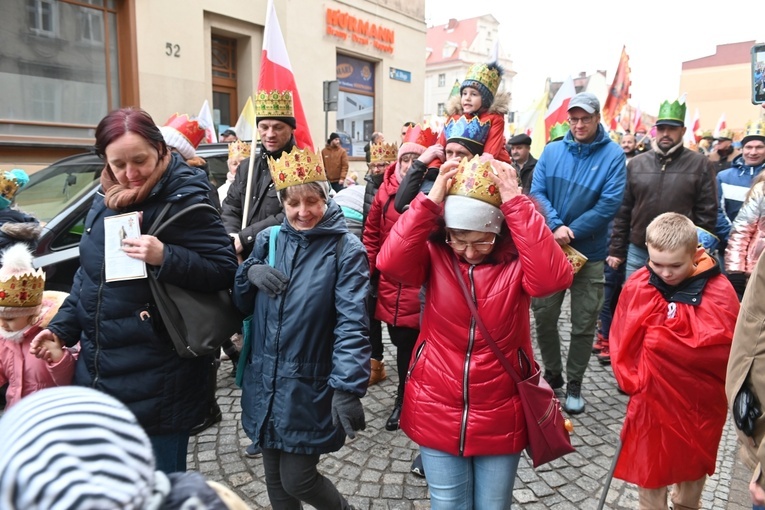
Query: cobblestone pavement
point(373, 470)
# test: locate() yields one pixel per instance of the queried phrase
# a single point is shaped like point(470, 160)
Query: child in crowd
point(15, 225)
point(24, 311)
point(670, 340)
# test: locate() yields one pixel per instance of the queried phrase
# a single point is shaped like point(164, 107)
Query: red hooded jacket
point(459, 399)
point(397, 304)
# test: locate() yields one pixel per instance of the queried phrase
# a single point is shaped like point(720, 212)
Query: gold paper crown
point(22, 291)
point(472, 180)
point(486, 75)
point(273, 104)
point(8, 186)
point(755, 128)
point(383, 153)
point(239, 148)
point(299, 166)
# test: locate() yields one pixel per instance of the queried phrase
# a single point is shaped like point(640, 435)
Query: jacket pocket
point(150, 325)
point(417, 355)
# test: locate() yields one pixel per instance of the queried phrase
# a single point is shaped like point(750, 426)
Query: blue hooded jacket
point(732, 186)
point(581, 186)
point(310, 340)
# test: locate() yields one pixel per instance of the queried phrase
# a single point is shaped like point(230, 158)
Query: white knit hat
point(465, 213)
point(173, 138)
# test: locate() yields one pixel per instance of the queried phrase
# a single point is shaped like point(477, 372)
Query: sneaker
point(417, 468)
point(574, 403)
point(253, 451)
point(605, 354)
point(554, 380)
point(598, 346)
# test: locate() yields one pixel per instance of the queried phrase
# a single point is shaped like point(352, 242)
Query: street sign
point(400, 75)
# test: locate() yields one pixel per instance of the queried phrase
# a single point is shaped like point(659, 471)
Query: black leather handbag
point(197, 322)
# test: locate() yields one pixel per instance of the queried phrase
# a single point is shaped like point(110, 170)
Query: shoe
point(417, 468)
point(605, 354)
point(392, 423)
point(598, 346)
point(574, 403)
point(554, 380)
point(213, 417)
point(253, 451)
point(378, 372)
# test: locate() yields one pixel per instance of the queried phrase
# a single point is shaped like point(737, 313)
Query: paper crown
point(615, 136)
point(674, 111)
point(273, 104)
point(754, 130)
point(189, 128)
point(21, 286)
point(421, 135)
point(10, 184)
point(472, 180)
point(559, 130)
point(383, 152)
point(299, 166)
point(462, 128)
point(486, 75)
point(705, 133)
point(726, 134)
point(239, 149)
point(455, 89)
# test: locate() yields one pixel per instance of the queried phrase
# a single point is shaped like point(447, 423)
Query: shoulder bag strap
point(158, 226)
point(486, 336)
point(272, 236)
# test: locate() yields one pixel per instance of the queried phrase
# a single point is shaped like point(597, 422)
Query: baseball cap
point(586, 101)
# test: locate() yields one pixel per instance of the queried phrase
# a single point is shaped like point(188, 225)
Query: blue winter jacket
point(307, 342)
point(581, 186)
point(125, 351)
point(732, 186)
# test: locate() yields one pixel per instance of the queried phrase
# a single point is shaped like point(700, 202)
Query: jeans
point(614, 279)
point(293, 477)
point(170, 451)
point(586, 303)
point(636, 258)
point(469, 483)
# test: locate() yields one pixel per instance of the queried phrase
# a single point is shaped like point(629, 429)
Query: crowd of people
point(655, 243)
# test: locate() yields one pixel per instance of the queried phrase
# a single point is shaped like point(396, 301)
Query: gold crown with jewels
point(239, 148)
point(272, 103)
point(299, 166)
point(472, 180)
point(383, 153)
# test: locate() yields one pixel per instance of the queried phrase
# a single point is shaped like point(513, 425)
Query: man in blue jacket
point(580, 184)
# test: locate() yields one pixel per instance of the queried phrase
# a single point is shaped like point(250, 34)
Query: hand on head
point(443, 181)
point(433, 152)
point(506, 179)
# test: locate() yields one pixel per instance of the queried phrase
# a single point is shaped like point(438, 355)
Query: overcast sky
point(558, 38)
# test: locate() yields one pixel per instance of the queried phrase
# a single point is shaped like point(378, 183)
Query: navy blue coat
point(307, 342)
point(121, 354)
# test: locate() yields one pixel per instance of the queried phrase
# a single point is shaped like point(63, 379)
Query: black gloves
point(266, 278)
point(348, 412)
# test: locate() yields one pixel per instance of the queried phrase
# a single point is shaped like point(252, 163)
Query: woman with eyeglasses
point(460, 405)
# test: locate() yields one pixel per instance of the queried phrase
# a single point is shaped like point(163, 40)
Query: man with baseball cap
point(579, 181)
point(723, 153)
point(519, 148)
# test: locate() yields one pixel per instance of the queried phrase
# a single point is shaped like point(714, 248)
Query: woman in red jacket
point(460, 405)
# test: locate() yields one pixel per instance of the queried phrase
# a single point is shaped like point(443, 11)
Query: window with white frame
point(92, 24)
point(42, 17)
point(441, 79)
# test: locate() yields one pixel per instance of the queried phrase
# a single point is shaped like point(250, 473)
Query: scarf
point(118, 196)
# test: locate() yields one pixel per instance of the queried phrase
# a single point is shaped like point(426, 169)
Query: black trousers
point(404, 340)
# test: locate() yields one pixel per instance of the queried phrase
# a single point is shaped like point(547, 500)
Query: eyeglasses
point(479, 246)
point(584, 120)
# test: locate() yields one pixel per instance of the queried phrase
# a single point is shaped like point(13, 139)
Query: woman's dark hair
point(309, 187)
point(128, 120)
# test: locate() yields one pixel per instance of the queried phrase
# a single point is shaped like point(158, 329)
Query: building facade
point(67, 63)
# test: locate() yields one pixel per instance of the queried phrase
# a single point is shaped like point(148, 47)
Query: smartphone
point(758, 74)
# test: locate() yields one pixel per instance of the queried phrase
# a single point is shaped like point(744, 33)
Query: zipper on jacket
point(398, 304)
point(466, 366)
point(416, 358)
point(98, 314)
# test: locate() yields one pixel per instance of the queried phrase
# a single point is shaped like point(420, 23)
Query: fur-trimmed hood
point(501, 104)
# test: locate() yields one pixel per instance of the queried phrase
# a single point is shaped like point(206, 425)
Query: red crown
point(421, 135)
point(189, 128)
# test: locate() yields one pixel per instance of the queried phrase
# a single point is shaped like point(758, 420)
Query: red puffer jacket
point(398, 305)
point(459, 399)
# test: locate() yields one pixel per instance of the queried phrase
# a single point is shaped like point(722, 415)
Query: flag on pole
point(276, 73)
point(720, 126)
point(245, 125)
point(557, 112)
point(638, 120)
point(532, 122)
point(206, 121)
point(690, 132)
point(619, 92)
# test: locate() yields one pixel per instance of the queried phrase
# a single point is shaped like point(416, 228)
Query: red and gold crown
point(421, 135)
point(272, 103)
point(472, 180)
point(20, 292)
point(383, 152)
point(189, 128)
point(239, 149)
point(299, 166)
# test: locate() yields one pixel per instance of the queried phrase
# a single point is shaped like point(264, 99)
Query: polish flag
point(276, 73)
point(696, 125)
point(638, 120)
point(206, 121)
point(690, 127)
point(557, 112)
point(720, 126)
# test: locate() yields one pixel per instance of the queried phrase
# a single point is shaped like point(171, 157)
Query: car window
point(55, 188)
point(218, 169)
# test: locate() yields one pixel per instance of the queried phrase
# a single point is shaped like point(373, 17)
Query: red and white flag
point(720, 126)
point(691, 126)
point(638, 120)
point(557, 112)
point(276, 74)
point(206, 121)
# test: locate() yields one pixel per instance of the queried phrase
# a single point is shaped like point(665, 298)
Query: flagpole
point(248, 188)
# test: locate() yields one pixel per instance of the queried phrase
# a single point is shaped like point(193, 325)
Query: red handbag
point(545, 426)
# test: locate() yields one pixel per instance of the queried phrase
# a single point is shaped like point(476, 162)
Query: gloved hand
point(268, 279)
point(348, 412)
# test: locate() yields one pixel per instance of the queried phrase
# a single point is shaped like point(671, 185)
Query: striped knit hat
point(74, 448)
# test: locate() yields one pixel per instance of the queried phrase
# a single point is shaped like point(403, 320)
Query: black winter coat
point(125, 351)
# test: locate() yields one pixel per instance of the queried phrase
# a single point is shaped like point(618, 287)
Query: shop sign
point(355, 75)
point(347, 27)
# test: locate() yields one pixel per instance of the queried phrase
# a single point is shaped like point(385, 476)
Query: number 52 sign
point(173, 50)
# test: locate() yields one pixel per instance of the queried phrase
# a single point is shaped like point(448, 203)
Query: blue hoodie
point(581, 186)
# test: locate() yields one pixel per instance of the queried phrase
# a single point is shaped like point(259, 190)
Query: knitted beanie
point(173, 138)
point(485, 78)
point(74, 447)
point(465, 213)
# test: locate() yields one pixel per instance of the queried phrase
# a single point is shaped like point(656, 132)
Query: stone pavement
point(373, 470)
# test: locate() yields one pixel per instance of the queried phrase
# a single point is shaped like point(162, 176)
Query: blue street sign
point(400, 75)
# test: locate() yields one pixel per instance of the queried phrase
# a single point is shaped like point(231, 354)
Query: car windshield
point(56, 187)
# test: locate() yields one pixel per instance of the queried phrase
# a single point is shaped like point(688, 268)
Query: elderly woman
point(460, 405)
point(125, 350)
point(309, 363)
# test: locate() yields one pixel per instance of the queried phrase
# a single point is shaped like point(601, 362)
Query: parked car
point(60, 197)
